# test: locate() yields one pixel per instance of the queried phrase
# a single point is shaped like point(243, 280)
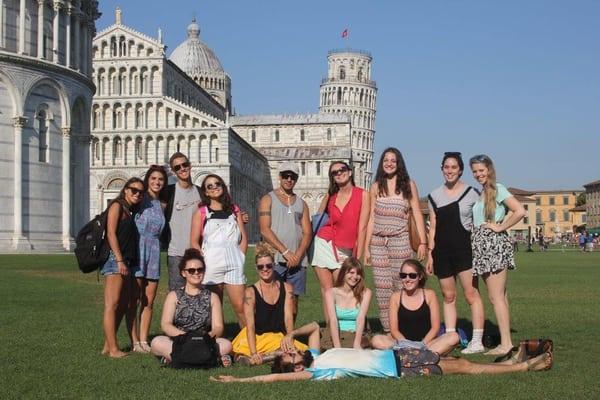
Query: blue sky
point(517, 80)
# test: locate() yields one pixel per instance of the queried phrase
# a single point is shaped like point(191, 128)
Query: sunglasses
point(177, 167)
point(135, 191)
point(262, 267)
point(194, 271)
point(289, 175)
point(337, 172)
point(479, 158)
point(411, 275)
point(215, 185)
point(453, 154)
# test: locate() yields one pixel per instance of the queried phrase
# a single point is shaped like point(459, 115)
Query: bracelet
point(119, 261)
point(285, 252)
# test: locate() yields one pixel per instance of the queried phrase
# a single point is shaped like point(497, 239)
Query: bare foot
point(104, 350)
point(498, 351)
point(542, 362)
point(117, 354)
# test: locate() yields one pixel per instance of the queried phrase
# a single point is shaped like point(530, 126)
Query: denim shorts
point(294, 276)
point(110, 267)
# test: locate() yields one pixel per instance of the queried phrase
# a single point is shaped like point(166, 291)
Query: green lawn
point(50, 330)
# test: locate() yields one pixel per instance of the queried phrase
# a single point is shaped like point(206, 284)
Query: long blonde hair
point(489, 189)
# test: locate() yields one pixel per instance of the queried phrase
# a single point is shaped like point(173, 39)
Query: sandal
point(533, 363)
point(226, 361)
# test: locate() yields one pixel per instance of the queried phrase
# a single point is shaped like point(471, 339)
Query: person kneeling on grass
point(337, 363)
point(192, 308)
point(269, 314)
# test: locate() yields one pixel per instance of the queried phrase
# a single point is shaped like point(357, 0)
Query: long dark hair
point(162, 171)
point(402, 177)
point(121, 197)
point(333, 187)
point(351, 263)
point(224, 198)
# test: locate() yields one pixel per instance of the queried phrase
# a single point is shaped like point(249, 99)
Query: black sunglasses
point(479, 158)
point(264, 266)
point(339, 171)
point(215, 185)
point(411, 275)
point(177, 167)
point(135, 191)
point(452, 154)
point(289, 175)
point(194, 271)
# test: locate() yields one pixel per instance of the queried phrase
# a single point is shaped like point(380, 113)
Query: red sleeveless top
point(342, 226)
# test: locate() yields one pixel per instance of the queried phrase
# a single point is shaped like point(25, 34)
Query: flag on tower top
point(345, 33)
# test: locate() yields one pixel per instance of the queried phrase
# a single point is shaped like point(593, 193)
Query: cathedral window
point(360, 74)
point(253, 136)
point(303, 168)
point(318, 167)
point(276, 138)
point(342, 73)
point(328, 134)
point(302, 136)
point(43, 135)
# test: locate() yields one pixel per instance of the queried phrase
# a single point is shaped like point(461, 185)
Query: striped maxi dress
point(389, 247)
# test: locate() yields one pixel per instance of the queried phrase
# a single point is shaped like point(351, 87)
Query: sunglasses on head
point(411, 275)
point(177, 167)
point(215, 185)
point(452, 154)
point(264, 266)
point(289, 175)
point(194, 271)
point(479, 158)
point(135, 191)
point(339, 171)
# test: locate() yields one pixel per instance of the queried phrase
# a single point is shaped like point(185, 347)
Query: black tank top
point(269, 317)
point(127, 236)
point(450, 234)
point(414, 324)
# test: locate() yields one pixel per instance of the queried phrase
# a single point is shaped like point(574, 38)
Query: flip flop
point(508, 356)
point(226, 361)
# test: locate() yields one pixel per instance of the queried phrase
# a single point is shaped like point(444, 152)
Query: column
point(68, 38)
point(1, 24)
point(84, 44)
point(22, 27)
point(66, 188)
point(77, 32)
point(19, 242)
point(40, 28)
point(56, 32)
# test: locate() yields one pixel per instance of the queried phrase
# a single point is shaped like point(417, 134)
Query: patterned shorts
point(417, 362)
point(492, 251)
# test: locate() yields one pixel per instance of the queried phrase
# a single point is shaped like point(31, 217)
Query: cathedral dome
point(194, 56)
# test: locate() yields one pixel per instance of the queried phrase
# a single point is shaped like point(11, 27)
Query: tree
point(580, 200)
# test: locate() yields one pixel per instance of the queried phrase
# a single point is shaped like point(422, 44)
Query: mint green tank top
point(346, 318)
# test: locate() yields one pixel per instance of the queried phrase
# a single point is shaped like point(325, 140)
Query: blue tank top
point(346, 318)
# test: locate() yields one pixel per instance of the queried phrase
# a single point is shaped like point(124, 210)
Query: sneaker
point(473, 348)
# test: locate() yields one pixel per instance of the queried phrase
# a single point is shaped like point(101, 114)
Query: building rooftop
point(592, 183)
point(193, 56)
point(289, 119)
point(305, 153)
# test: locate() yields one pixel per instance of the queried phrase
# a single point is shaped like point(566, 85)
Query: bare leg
point(132, 296)
point(452, 366)
point(470, 286)
point(496, 285)
point(444, 344)
point(382, 342)
point(146, 307)
point(112, 293)
point(325, 277)
point(236, 298)
point(224, 346)
point(448, 286)
point(162, 346)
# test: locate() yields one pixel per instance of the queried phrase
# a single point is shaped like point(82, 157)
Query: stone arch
point(7, 85)
point(113, 178)
point(62, 95)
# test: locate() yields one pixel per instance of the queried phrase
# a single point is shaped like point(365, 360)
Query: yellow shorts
point(266, 343)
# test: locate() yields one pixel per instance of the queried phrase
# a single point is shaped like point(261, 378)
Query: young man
point(182, 200)
point(284, 223)
point(342, 362)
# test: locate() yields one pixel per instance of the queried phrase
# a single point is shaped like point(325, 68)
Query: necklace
point(289, 200)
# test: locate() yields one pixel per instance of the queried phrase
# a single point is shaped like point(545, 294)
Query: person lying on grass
point(337, 363)
point(269, 313)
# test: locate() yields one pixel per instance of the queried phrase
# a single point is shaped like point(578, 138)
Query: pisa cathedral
point(145, 107)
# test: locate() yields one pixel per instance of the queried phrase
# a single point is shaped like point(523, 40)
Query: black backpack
point(91, 246)
point(194, 349)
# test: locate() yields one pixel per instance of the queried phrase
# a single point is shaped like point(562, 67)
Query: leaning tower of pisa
point(348, 89)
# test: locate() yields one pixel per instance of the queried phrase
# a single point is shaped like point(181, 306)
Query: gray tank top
point(286, 223)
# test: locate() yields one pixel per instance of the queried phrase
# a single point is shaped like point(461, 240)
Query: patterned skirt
point(492, 251)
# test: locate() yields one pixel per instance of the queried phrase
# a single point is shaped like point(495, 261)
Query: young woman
point(191, 308)
point(450, 256)
point(347, 305)
point(218, 229)
point(344, 233)
point(150, 221)
point(492, 250)
point(122, 237)
point(269, 311)
point(393, 195)
point(415, 315)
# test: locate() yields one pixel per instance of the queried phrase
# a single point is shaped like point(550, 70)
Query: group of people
point(206, 236)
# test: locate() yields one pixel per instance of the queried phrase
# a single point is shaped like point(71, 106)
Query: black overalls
point(452, 252)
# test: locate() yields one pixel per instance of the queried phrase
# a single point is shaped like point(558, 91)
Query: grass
point(50, 330)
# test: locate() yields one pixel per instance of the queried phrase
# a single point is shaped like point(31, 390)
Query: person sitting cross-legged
point(269, 314)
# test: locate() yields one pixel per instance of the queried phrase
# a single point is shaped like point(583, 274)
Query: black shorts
point(447, 264)
point(416, 362)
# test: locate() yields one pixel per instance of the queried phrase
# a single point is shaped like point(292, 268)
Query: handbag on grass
point(194, 349)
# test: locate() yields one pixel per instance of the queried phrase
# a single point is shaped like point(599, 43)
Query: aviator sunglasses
point(177, 167)
point(264, 266)
point(215, 185)
point(194, 271)
point(289, 175)
point(135, 191)
point(340, 171)
point(411, 275)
